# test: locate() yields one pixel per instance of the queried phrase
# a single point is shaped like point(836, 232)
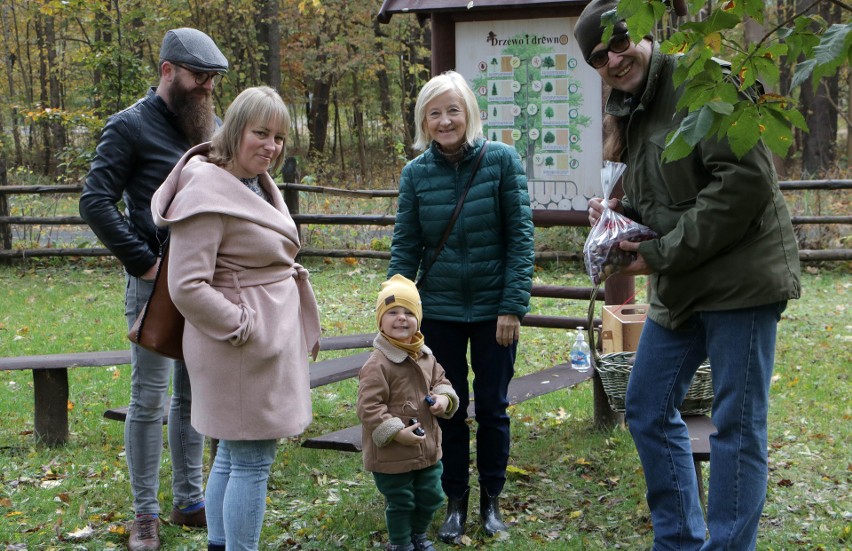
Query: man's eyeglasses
point(617, 44)
point(201, 78)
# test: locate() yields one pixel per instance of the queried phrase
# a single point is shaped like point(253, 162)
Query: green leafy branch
point(725, 99)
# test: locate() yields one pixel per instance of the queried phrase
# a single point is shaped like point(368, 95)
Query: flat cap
point(194, 50)
point(589, 28)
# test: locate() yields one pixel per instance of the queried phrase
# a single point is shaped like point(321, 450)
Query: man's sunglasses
point(617, 44)
point(202, 78)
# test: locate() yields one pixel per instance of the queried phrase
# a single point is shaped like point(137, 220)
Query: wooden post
point(290, 175)
point(618, 290)
point(5, 228)
point(443, 43)
point(51, 406)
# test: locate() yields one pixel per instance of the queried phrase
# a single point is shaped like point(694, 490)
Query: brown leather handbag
point(159, 327)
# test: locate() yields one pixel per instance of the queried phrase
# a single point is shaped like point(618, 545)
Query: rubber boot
point(453, 527)
point(489, 510)
point(215, 547)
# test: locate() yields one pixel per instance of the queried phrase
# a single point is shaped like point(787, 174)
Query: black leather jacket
point(138, 148)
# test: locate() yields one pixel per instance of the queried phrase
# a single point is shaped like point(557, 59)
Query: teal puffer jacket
point(485, 269)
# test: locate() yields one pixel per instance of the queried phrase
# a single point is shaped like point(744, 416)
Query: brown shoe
point(144, 534)
point(195, 519)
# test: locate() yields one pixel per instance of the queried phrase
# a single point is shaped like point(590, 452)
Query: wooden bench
point(50, 386)
point(700, 428)
point(51, 389)
point(521, 389)
point(529, 386)
point(322, 373)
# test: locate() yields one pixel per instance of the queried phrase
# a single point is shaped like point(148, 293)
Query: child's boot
point(489, 510)
point(422, 543)
point(453, 527)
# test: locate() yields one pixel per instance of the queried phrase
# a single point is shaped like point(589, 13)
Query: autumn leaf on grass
point(83, 533)
point(351, 260)
point(511, 469)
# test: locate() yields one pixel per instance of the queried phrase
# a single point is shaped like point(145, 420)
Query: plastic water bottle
point(580, 352)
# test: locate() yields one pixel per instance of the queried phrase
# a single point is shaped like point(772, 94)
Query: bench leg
point(51, 406)
point(700, 477)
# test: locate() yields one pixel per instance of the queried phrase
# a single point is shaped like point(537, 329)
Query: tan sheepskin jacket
point(391, 391)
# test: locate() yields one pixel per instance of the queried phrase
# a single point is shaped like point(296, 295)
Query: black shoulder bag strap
point(427, 266)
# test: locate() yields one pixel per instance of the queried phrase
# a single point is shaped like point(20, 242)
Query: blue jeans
point(143, 429)
point(741, 348)
point(236, 493)
point(493, 368)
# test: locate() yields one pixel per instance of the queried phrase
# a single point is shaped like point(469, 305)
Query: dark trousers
point(493, 367)
point(411, 501)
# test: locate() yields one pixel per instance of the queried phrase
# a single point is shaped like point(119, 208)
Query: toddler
point(402, 388)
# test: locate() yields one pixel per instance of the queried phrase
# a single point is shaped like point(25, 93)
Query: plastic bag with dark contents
point(601, 252)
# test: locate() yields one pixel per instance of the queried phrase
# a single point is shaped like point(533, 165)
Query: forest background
point(350, 82)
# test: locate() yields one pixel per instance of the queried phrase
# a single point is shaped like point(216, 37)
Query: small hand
point(508, 329)
point(406, 436)
point(442, 403)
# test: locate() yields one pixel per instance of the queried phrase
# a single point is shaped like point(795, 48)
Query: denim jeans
point(741, 347)
point(493, 368)
point(143, 429)
point(236, 493)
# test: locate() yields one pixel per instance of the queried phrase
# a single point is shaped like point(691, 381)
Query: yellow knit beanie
point(399, 291)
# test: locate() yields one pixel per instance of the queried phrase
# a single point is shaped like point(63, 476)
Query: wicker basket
point(614, 371)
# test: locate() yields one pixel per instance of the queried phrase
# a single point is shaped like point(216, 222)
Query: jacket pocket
point(396, 452)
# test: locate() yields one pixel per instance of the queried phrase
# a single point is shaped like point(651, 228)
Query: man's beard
point(194, 110)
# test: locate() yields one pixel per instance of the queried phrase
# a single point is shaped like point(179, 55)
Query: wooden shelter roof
point(423, 8)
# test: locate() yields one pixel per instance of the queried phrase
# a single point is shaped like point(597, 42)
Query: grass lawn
point(570, 486)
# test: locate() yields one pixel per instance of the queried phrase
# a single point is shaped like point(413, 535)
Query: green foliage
point(834, 49)
point(740, 112)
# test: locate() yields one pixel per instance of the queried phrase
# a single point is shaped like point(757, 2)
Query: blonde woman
point(251, 316)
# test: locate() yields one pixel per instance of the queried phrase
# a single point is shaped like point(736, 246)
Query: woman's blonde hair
point(449, 81)
point(257, 104)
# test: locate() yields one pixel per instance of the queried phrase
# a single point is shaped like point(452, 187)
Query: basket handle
point(591, 323)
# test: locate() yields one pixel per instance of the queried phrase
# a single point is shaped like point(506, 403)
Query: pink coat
point(251, 315)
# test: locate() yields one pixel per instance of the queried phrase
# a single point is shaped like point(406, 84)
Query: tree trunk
point(44, 93)
point(819, 109)
point(384, 89)
point(7, 16)
point(419, 40)
point(57, 130)
point(318, 116)
point(358, 126)
point(269, 37)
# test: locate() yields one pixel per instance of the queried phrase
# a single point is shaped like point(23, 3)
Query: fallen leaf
point(81, 534)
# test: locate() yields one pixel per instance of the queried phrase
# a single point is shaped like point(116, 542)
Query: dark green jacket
point(486, 267)
point(726, 238)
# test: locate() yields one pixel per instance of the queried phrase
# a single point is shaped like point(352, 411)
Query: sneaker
point(195, 519)
point(144, 534)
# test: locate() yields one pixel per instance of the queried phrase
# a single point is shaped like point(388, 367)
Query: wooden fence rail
point(291, 192)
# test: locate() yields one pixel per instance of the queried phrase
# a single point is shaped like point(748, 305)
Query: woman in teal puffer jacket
point(477, 289)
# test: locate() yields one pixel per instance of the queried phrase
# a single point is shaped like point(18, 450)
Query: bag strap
point(453, 218)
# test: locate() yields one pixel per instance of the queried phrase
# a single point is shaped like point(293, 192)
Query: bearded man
point(137, 150)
